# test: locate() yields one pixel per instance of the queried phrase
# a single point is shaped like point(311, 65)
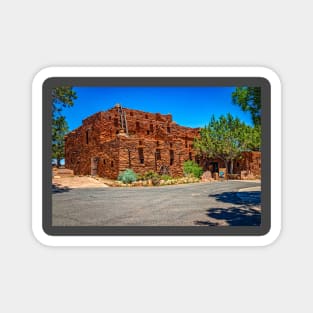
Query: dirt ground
point(77, 182)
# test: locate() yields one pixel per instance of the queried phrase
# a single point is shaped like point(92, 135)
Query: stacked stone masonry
point(109, 142)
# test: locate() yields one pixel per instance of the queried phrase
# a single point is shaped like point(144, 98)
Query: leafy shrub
point(150, 175)
point(166, 177)
point(140, 177)
point(192, 168)
point(128, 176)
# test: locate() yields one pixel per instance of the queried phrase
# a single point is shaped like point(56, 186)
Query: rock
point(206, 176)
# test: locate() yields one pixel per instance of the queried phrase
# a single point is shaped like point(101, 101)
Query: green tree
point(226, 138)
point(249, 100)
point(254, 137)
point(62, 97)
point(59, 130)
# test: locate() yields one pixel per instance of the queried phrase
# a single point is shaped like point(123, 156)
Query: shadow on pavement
point(246, 197)
point(234, 216)
point(57, 188)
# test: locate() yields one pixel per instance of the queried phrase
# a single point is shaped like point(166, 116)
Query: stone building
point(109, 142)
point(247, 166)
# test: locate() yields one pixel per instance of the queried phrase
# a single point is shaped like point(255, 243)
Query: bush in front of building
point(192, 168)
point(127, 177)
point(155, 178)
point(150, 175)
point(166, 177)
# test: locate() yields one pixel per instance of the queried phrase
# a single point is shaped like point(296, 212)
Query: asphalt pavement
point(202, 204)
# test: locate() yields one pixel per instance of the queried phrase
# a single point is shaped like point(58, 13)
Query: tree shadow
point(57, 188)
point(246, 197)
point(233, 216)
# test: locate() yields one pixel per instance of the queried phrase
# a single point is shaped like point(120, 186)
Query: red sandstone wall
point(129, 155)
point(250, 162)
point(98, 138)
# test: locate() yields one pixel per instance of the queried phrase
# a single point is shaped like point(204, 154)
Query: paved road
point(203, 204)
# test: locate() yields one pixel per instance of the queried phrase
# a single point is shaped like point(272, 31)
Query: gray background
point(36, 34)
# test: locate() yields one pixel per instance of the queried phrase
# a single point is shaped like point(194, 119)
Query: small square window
point(158, 154)
point(171, 157)
point(141, 156)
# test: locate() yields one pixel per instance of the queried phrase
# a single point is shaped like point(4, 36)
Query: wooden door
point(94, 166)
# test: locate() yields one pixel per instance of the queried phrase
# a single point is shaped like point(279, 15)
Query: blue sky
point(189, 106)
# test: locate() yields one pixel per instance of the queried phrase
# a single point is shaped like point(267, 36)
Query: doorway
point(94, 166)
point(213, 167)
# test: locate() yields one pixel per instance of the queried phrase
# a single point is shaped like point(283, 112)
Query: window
point(186, 144)
point(151, 128)
point(104, 161)
point(158, 154)
point(190, 156)
point(141, 156)
point(146, 116)
point(171, 157)
point(140, 143)
point(168, 129)
point(148, 132)
point(116, 122)
point(131, 113)
point(112, 163)
point(87, 137)
point(137, 125)
point(171, 145)
point(157, 143)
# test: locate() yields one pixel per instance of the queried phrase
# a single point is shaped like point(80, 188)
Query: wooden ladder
point(123, 119)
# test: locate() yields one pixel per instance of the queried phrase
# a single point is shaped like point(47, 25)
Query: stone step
point(62, 172)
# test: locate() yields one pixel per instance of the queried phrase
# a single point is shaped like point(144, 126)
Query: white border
point(232, 240)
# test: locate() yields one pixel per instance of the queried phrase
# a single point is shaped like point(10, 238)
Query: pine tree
point(249, 100)
point(61, 97)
